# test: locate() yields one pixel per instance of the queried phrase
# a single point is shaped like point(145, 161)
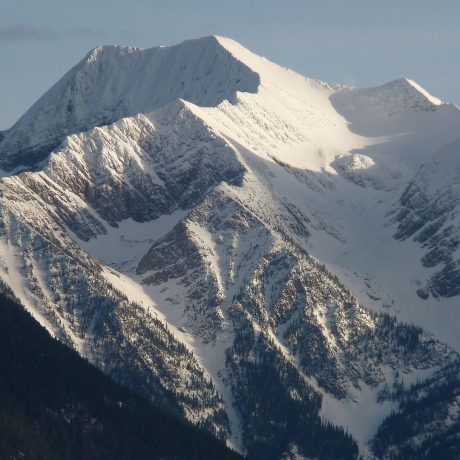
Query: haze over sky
point(355, 42)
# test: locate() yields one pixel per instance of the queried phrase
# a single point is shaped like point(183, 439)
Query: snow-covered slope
point(112, 82)
point(197, 220)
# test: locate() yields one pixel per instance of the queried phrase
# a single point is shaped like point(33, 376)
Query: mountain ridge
point(91, 94)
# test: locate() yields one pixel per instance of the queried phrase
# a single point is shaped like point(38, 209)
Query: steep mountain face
point(428, 211)
point(228, 237)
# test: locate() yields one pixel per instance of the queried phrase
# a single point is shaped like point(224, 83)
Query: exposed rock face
point(428, 211)
point(67, 291)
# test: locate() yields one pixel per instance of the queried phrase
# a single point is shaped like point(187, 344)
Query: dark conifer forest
point(54, 405)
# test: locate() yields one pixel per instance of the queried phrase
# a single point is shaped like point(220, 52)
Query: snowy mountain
point(112, 82)
point(199, 222)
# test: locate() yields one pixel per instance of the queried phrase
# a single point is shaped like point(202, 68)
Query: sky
point(353, 42)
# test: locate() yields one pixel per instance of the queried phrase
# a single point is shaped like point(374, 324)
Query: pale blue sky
point(357, 42)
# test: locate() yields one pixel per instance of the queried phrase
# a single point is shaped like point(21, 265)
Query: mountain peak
point(397, 97)
point(412, 86)
point(113, 82)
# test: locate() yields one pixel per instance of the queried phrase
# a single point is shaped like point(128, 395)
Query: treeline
point(55, 405)
point(427, 422)
point(278, 408)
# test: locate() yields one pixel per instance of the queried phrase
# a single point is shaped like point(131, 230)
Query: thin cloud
point(21, 33)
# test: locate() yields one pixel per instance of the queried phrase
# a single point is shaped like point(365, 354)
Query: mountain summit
point(112, 82)
point(197, 221)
